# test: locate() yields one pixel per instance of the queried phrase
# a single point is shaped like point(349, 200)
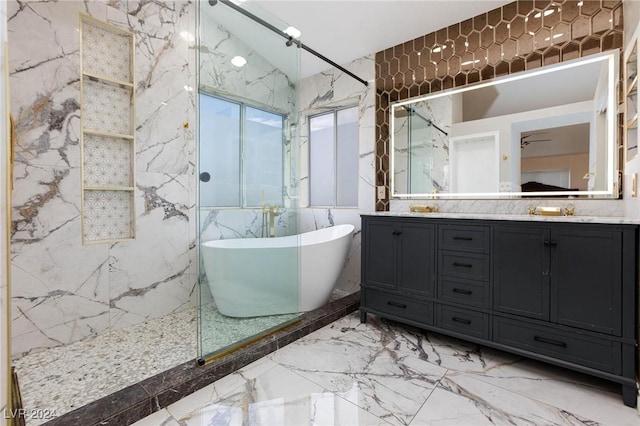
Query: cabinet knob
point(397, 232)
point(550, 243)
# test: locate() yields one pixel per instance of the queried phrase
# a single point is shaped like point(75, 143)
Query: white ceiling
point(350, 29)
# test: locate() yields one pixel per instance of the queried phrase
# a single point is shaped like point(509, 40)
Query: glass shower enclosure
point(248, 249)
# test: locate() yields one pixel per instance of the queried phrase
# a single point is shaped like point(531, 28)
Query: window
point(241, 154)
point(333, 158)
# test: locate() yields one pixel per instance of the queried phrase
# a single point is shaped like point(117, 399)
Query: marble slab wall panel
point(222, 224)
point(601, 208)
point(64, 291)
point(150, 277)
point(258, 81)
point(325, 91)
point(5, 327)
point(500, 42)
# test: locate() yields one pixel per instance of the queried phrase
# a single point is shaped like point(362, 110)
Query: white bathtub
point(253, 277)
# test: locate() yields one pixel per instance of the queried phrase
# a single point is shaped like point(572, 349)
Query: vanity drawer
point(590, 351)
point(464, 265)
point(464, 238)
point(468, 292)
point(463, 321)
point(399, 306)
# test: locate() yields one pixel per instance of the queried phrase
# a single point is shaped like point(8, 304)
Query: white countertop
point(514, 217)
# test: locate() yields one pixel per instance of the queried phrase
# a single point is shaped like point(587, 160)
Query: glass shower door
point(247, 161)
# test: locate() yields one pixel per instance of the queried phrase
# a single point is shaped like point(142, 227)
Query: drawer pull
point(397, 305)
point(550, 243)
point(397, 232)
point(461, 320)
point(550, 341)
point(461, 290)
point(463, 265)
point(463, 238)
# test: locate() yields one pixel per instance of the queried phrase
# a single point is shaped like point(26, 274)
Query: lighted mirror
point(540, 133)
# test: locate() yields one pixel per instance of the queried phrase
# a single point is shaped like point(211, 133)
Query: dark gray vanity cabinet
point(565, 274)
point(561, 292)
point(399, 267)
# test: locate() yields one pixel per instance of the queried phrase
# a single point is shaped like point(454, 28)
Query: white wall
point(510, 167)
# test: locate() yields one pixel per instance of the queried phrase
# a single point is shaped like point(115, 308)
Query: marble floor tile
point(447, 352)
point(159, 418)
point(275, 397)
point(377, 378)
point(382, 372)
point(461, 399)
point(580, 394)
point(200, 398)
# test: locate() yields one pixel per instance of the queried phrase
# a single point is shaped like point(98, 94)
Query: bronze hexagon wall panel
point(518, 36)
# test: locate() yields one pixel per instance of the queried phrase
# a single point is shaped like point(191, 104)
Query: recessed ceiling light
point(238, 61)
point(293, 32)
point(187, 36)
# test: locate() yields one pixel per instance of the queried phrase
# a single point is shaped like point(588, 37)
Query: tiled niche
point(108, 152)
point(519, 36)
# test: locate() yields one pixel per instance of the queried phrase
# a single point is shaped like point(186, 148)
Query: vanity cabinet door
point(586, 281)
point(399, 255)
point(416, 258)
point(521, 271)
point(379, 244)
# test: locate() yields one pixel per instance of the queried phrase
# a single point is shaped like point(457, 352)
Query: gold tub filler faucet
point(271, 212)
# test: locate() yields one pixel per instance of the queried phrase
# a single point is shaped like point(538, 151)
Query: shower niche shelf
point(107, 103)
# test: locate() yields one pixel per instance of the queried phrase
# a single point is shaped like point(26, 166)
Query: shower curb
point(138, 401)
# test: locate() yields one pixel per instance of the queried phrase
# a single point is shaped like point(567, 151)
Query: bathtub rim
point(289, 241)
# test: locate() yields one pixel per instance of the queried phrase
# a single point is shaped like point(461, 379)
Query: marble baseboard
point(155, 393)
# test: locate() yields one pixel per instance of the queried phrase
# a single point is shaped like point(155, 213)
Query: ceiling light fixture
point(238, 61)
point(292, 32)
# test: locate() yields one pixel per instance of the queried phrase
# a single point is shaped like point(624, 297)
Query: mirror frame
point(611, 59)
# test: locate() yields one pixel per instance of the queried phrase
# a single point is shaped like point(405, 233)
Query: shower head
point(213, 2)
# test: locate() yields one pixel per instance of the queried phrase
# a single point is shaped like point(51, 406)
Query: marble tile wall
point(5, 327)
point(323, 91)
point(64, 291)
point(496, 43)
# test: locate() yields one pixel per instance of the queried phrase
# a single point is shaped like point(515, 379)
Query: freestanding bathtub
point(252, 277)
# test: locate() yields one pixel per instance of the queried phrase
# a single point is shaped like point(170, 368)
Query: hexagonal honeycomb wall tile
point(522, 35)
